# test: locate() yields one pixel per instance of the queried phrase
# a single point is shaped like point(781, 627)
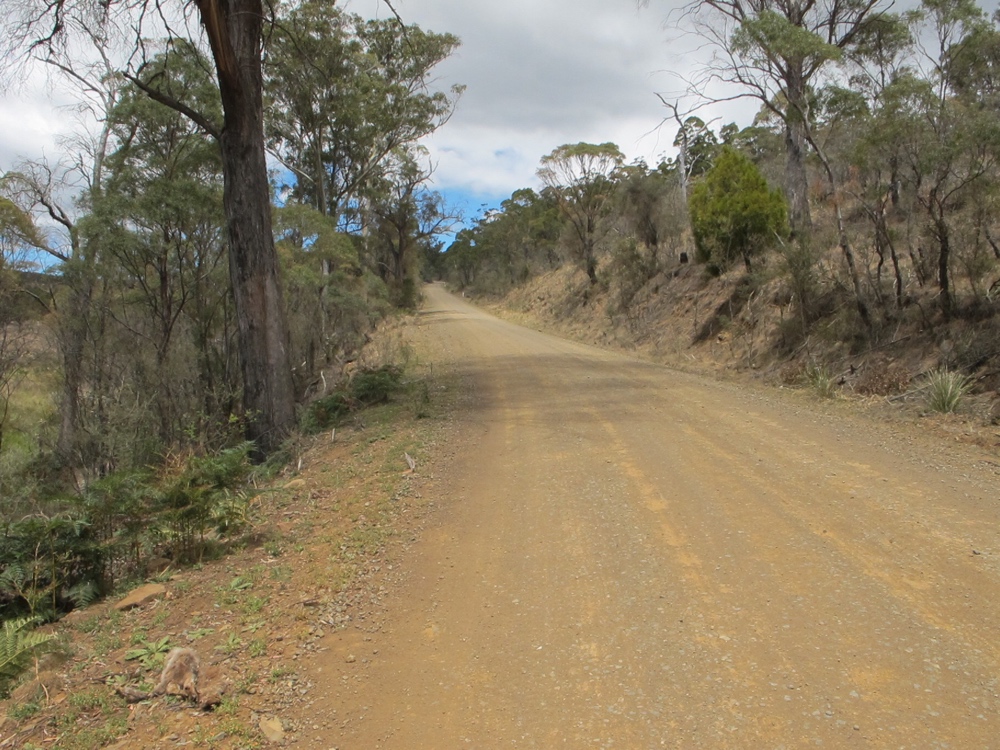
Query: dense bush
point(734, 213)
point(53, 561)
point(366, 388)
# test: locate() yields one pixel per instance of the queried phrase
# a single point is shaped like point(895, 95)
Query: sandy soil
point(623, 556)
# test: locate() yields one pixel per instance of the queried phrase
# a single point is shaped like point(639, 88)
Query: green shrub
point(375, 386)
point(121, 509)
point(42, 558)
point(367, 388)
point(83, 546)
point(202, 494)
point(734, 214)
point(326, 412)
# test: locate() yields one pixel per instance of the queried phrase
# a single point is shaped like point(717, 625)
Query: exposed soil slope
point(727, 325)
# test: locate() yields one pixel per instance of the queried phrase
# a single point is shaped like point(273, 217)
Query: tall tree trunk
point(589, 251)
point(943, 236)
point(590, 263)
point(796, 177)
point(845, 244)
point(72, 339)
point(882, 231)
point(234, 31)
point(326, 269)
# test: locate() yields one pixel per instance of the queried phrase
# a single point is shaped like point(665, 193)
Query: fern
point(83, 594)
point(18, 643)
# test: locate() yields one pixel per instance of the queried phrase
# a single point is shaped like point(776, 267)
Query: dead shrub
point(881, 377)
point(794, 373)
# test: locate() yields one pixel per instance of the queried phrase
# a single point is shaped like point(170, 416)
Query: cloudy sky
point(539, 74)
point(543, 73)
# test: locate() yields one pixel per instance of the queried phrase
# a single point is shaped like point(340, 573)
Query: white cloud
point(539, 74)
point(31, 125)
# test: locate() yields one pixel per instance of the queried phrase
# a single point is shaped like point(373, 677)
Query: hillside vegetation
point(176, 323)
point(879, 277)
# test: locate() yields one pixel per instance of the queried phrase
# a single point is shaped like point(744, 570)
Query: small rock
point(141, 596)
point(272, 729)
point(350, 658)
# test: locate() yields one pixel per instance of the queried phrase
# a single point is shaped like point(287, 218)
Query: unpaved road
point(628, 557)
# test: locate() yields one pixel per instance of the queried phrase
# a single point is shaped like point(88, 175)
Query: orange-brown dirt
point(626, 556)
point(599, 552)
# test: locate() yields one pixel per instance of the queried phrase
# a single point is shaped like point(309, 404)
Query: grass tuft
point(946, 391)
point(821, 381)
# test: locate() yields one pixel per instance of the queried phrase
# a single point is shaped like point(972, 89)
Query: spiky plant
point(821, 381)
point(18, 643)
point(946, 390)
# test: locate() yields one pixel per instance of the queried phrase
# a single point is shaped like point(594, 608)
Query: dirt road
point(628, 557)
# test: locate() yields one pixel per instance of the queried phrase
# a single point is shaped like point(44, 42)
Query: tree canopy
point(580, 176)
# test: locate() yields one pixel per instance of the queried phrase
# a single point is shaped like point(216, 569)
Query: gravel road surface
point(624, 556)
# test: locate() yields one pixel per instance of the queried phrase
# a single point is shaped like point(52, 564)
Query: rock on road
point(625, 556)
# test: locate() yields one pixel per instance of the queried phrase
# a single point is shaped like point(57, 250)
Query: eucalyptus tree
point(462, 258)
point(870, 114)
point(406, 217)
point(951, 138)
point(699, 145)
point(973, 66)
point(652, 206)
point(163, 235)
point(505, 246)
point(533, 225)
point(581, 177)
point(234, 30)
point(46, 190)
point(18, 233)
point(345, 94)
point(330, 295)
point(775, 51)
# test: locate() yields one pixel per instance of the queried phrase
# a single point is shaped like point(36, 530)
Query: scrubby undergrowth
point(314, 556)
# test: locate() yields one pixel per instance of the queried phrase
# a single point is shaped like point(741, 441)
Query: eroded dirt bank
point(625, 556)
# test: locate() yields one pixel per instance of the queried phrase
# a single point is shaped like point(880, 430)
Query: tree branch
point(165, 99)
